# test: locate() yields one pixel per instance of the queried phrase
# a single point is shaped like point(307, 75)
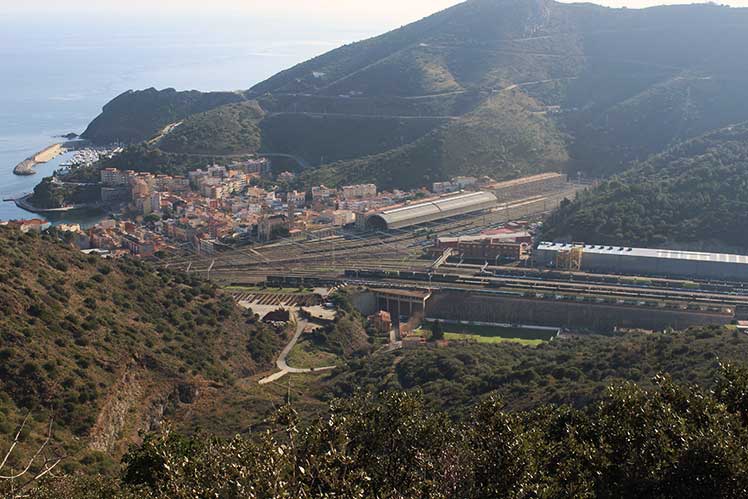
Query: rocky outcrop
point(137, 403)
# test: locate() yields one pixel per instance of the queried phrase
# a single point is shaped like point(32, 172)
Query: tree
point(437, 332)
point(17, 482)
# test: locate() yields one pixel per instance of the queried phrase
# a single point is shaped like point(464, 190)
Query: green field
point(490, 339)
point(305, 354)
point(492, 334)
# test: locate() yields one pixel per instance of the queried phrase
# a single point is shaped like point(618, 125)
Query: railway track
point(581, 278)
point(599, 296)
point(399, 241)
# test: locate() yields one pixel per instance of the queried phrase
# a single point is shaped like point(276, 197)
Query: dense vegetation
point(309, 136)
point(138, 116)
point(346, 337)
point(502, 138)
point(227, 130)
point(591, 89)
point(666, 442)
point(693, 193)
point(48, 194)
point(106, 347)
point(572, 371)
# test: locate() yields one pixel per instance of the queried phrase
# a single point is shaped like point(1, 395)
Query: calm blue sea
point(58, 73)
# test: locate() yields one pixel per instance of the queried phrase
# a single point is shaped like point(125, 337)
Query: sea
point(58, 71)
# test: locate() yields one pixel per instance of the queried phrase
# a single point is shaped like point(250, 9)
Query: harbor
point(26, 167)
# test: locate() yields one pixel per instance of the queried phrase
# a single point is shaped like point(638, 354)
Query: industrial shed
point(646, 261)
point(429, 211)
point(528, 186)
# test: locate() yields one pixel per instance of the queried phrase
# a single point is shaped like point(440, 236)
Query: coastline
point(26, 167)
point(24, 204)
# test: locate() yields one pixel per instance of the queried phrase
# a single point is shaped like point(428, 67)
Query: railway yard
point(396, 259)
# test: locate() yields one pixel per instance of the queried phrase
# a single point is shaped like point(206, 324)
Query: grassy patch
point(490, 339)
point(490, 334)
point(306, 355)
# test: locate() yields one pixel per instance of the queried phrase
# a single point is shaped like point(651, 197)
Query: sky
point(386, 12)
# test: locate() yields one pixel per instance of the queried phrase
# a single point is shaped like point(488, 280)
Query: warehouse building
point(431, 210)
point(644, 261)
point(486, 248)
point(528, 186)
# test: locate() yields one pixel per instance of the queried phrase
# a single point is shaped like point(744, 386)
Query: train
point(300, 282)
point(407, 275)
point(628, 280)
point(549, 291)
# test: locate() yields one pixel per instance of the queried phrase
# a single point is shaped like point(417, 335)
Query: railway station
point(430, 211)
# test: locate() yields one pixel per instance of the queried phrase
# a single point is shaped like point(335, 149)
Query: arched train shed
point(429, 211)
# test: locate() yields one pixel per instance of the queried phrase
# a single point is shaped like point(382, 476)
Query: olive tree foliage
point(669, 442)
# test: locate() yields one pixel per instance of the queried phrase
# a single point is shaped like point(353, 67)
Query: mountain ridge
point(590, 71)
point(691, 195)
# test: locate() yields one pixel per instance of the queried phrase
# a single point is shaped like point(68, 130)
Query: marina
point(87, 155)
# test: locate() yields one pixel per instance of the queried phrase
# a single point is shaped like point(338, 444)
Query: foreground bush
point(671, 441)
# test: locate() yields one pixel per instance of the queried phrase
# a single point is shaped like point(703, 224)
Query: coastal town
point(222, 206)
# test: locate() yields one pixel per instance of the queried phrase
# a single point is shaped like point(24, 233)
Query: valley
point(499, 252)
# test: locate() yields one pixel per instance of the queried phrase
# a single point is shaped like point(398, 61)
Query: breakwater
point(26, 167)
point(24, 203)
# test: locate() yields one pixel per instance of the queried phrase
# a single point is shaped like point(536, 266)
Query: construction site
point(477, 264)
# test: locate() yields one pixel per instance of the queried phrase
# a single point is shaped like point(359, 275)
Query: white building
point(360, 191)
point(112, 177)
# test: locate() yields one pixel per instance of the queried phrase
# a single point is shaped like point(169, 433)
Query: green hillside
point(693, 193)
point(661, 116)
point(581, 88)
point(466, 45)
point(108, 348)
point(572, 371)
point(659, 439)
point(326, 139)
point(229, 129)
point(138, 116)
point(504, 137)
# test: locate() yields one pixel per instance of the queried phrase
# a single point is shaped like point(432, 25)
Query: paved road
point(282, 362)
point(365, 116)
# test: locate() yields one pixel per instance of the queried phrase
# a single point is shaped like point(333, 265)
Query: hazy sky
point(390, 12)
point(362, 18)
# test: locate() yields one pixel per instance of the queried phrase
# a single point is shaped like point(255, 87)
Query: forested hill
point(138, 116)
point(696, 192)
point(108, 348)
point(497, 87)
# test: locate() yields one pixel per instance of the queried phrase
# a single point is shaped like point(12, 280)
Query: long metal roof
point(695, 256)
point(435, 209)
point(527, 180)
point(485, 237)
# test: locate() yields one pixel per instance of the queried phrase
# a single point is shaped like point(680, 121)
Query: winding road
point(282, 362)
point(364, 116)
